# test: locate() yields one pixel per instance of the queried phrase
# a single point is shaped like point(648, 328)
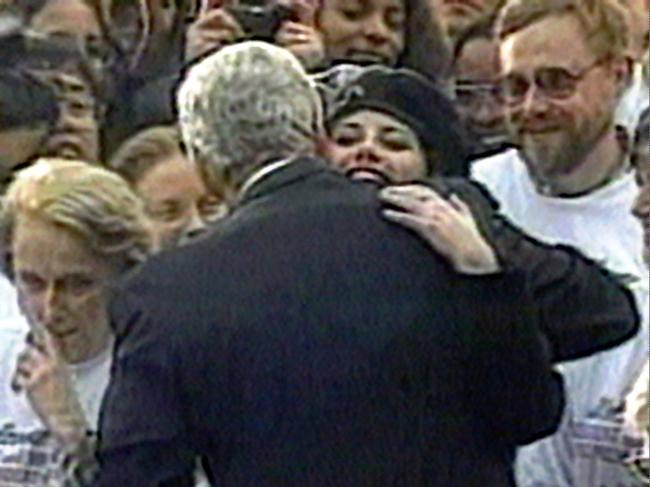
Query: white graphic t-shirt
point(591, 445)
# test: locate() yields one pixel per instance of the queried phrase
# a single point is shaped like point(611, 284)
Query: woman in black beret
point(400, 131)
point(392, 125)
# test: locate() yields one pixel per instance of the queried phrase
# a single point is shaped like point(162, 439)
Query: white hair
point(248, 104)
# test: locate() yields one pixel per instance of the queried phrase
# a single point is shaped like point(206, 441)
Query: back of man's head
point(246, 106)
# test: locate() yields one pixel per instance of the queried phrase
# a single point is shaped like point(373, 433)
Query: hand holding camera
point(214, 28)
point(301, 36)
point(288, 24)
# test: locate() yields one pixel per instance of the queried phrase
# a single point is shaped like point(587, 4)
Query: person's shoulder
point(504, 174)
point(166, 283)
point(502, 163)
point(13, 326)
point(8, 299)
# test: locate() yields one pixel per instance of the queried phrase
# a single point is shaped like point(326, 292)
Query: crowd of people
point(364, 243)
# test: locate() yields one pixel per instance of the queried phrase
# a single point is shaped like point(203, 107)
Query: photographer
point(289, 24)
point(324, 33)
point(58, 43)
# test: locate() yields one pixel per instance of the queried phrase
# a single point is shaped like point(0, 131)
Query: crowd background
point(96, 81)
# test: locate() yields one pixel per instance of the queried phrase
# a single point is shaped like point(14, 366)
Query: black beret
point(417, 102)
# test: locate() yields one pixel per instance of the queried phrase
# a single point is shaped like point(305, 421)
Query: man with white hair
point(309, 342)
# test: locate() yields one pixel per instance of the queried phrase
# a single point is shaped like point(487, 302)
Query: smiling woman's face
point(363, 31)
point(371, 146)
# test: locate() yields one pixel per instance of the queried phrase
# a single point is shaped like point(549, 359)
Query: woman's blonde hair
point(94, 203)
point(142, 152)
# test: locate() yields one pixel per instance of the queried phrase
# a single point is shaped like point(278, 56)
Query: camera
point(22, 48)
point(30, 51)
point(260, 19)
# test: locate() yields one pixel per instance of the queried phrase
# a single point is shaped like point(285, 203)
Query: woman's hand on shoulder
point(448, 226)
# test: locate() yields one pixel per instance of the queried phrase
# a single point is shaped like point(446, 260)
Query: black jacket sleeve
point(583, 308)
point(142, 437)
point(512, 384)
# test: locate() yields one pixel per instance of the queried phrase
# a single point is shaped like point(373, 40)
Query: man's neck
point(605, 162)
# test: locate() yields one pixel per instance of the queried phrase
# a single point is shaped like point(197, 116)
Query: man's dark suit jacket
point(310, 343)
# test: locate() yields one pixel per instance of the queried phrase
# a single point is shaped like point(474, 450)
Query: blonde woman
point(68, 231)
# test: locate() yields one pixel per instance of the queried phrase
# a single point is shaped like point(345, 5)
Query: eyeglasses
point(555, 83)
point(474, 95)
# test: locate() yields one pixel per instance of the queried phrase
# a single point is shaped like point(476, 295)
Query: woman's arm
point(583, 309)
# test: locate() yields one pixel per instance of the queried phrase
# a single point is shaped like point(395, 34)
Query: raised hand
point(301, 36)
point(213, 29)
point(43, 376)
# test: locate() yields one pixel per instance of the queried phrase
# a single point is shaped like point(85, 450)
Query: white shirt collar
point(261, 174)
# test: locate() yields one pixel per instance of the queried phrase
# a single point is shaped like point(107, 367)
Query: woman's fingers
point(448, 226)
point(417, 199)
point(408, 220)
point(305, 11)
point(460, 206)
point(212, 30)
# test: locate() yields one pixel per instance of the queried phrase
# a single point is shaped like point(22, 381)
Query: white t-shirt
point(585, 452)
point(28, 455)
point(634, 101)
point(8, 299)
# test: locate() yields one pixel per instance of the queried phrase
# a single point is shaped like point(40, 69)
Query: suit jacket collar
point(290, 173)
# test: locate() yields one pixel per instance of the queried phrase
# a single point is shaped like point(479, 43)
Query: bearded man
point(564, 70)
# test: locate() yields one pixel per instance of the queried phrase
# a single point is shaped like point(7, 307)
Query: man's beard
point(554, 155)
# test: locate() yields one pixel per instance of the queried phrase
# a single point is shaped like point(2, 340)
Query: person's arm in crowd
point(513, 385)
point(41, 373)
point(216, 27)
point(300, 35)
point(583, 309)
point(142, 438)
point(213, 29)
